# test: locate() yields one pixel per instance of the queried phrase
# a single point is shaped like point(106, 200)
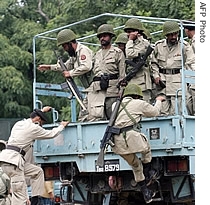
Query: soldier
point(131, 140)
point(167, 62)
point(190, 32)
point(80, 61)
point(22, 137)
point(5, 197)
point(121, 41)
point(136, 46)
point(108, 70)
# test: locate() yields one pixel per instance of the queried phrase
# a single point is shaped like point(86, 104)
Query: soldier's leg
point(18, 184)
point(136, 165)
point(96, 105)
point(37, 178)
point(108, 106)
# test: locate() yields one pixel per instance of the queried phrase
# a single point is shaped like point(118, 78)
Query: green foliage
point(15, 92)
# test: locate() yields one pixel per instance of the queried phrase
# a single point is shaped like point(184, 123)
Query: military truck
point(71, 156)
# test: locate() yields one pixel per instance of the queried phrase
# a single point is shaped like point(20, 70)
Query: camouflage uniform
point(133, 49)
point(166, 63)
point(108, 63)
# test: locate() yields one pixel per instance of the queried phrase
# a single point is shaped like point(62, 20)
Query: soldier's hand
point(46, 109)
point(66, 74)
point(28, 202)
point(133, 35)
point(161, 98)
point(43, 67)
point(157, 80)
point(64, 123)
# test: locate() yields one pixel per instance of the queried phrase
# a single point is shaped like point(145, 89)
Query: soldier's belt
point(169, 71)
point(110, 77)
point(17, 149)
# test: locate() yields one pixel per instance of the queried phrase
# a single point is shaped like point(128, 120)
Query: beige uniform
point(142, 78)
point(166, 63)
point(130, 142)
point(23, 134)
point(80, 65)
point(106, 61)
point(5, 197)
point(191, 87)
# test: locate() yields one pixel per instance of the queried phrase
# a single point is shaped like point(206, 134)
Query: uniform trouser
point(18, 183)
point(191, 101)
point(168, 106)
point(46, 201)
point(136, 163)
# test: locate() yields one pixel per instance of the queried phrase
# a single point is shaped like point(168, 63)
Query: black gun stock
point(71, 84)
point(110, 130)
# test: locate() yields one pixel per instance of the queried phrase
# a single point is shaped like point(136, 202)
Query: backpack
point(4, 183)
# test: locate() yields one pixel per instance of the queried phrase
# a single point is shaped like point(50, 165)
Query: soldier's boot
point(147, 193)
point(35, 200)
point(149, 173)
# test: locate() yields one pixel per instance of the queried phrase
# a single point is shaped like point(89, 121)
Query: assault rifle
point(110, 129)
point(71, 84)
point(136, 64)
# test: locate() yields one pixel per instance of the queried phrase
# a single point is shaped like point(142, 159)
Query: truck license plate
point(109, 166)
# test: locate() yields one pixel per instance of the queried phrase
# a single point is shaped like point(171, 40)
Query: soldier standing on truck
point(108, 70)
point(167, 64)
point(80, 61)
point(131, 140)
point(121, 41)
point(22, 137)
point(136, 46)
point(190, 32)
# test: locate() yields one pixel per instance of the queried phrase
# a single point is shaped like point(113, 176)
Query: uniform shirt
point(23, 135)
point(192, 43)
point(171, 58)
point(78, 65)
point(137, 109)
point(166, 57)
point(110, 61)
point(49, 188)
point(133, 49)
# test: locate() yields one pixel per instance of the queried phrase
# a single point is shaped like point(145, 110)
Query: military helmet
point(65, 36)
point(170, 27)
point(122, 38)
point(105, 28)
point(147, 34)
point(132, 89)
point(133, 23)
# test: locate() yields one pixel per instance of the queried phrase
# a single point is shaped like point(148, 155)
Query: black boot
point(35, 200)
point(147, 193)
point(149, 173)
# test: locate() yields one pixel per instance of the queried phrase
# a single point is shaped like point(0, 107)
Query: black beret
point(40, 114)
point(190, 26)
